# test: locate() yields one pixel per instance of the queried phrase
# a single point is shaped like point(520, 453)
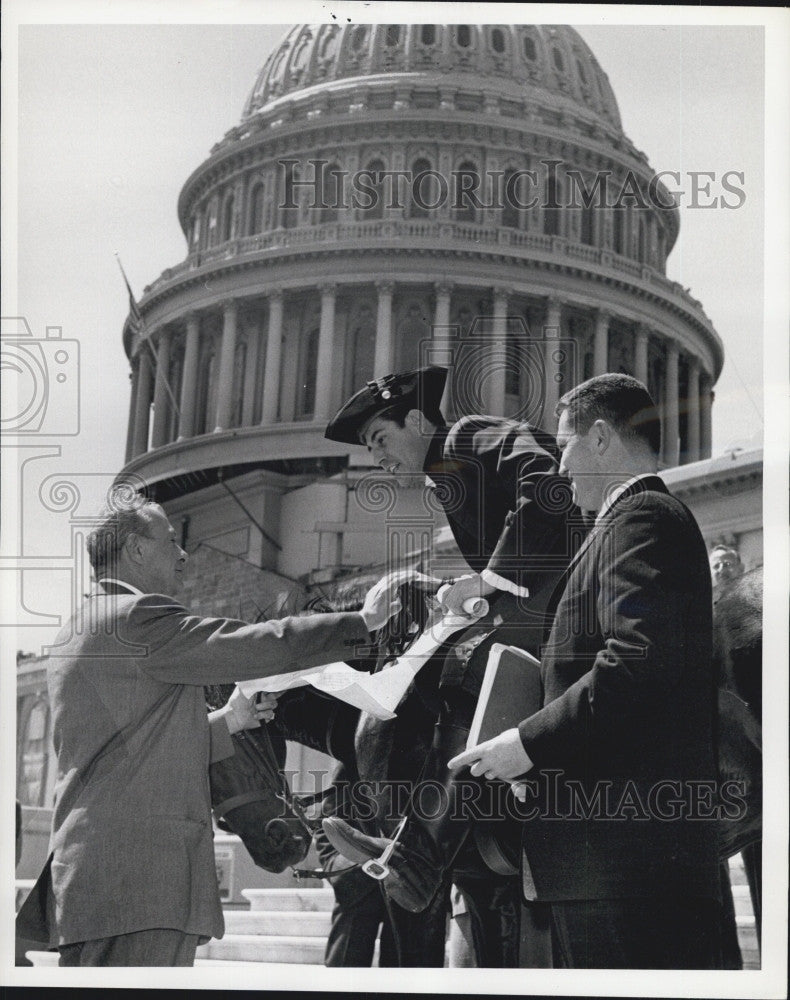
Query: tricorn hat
point(415, 390)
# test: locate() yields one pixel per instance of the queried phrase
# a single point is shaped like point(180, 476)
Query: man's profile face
point(579, 463)
point(397, 449)
point(164, 558)
point(725, 565)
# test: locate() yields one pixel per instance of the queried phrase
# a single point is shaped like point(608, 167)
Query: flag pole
point(138, 327)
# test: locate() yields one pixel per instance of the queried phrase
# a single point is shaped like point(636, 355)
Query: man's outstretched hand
point(381, 603)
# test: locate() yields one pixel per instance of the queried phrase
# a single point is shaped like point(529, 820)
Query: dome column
point(254, 338)
point(601, 342)
point(226, 365)
point(692, 454)
point(382, 364)
point(186, 424)
point(161, 390)
point(440, 336)
point(671, 412)
point(143, 401)
point(551, 333)
point(640, 353)
point(326, 337)
point(496, 394)
point(133, 373)
point(705, 415)
point(274, 347)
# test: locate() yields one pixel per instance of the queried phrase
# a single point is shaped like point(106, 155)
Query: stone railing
point(436, 232)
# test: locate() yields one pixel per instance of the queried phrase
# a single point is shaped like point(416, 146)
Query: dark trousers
point(408, 940)
point(506, 933)
point(637, 934)
point(161, 946)
point(353, 933)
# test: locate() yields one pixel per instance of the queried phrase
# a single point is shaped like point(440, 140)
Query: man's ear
point(600, 434)
point(414, 420)
point(132, 548)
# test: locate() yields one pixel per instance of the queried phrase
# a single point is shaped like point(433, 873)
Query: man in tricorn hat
point(509, 514)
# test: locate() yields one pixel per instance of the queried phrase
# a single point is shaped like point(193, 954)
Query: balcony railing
point(413, 232)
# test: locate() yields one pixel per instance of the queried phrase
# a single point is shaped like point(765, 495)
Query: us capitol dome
point(297, 287)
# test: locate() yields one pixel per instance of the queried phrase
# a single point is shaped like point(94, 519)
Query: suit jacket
point(629, 713)
point(131, 835)
point(507, 508)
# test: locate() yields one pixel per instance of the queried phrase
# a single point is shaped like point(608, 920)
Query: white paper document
point(378, 694)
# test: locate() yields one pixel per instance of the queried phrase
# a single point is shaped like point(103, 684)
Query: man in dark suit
point(132, 877)
point(497, 482)
point(617, 769)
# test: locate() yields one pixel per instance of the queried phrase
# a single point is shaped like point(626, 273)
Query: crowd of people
point(602, 848)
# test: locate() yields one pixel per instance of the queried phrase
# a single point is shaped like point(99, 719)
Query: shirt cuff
point(494, 580)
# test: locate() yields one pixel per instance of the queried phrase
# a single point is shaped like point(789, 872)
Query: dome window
point(228, 221)
point(301, 54)
point(463, 36)
point(465, 198)
point(359, 37)
point(512, 200)
point(559, 62)
point(257, 206)
point(428, 34)
point(373, 192)
point(587, 232)
point(392, 35)
point(497, 40)
point(552, 222)
point(530, 52)
point(329, 42)
point(422, 189)
point(330, 191)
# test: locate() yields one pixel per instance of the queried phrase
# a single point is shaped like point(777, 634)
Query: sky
point(112, 119)
point(103, 122)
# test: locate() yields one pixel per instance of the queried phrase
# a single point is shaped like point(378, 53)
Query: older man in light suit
point(132, 874)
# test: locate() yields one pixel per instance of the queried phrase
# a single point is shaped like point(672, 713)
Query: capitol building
point(391, 196)
point(395, 195)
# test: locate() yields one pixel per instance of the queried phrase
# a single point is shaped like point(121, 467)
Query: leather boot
point(435, 831)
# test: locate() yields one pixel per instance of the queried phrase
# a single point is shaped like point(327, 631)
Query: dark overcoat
point(623, 793)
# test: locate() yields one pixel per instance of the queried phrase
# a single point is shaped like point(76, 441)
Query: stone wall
point(219, 584)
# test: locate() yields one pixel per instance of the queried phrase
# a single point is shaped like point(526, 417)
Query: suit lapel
point(648, 483)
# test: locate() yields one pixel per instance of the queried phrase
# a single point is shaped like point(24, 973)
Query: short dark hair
point(123, 514)
point(398, 412)
point(621, 400)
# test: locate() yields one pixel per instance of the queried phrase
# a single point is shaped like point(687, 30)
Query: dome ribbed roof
point(545, 62)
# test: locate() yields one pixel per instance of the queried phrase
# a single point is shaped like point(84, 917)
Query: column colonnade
point(152, 362)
